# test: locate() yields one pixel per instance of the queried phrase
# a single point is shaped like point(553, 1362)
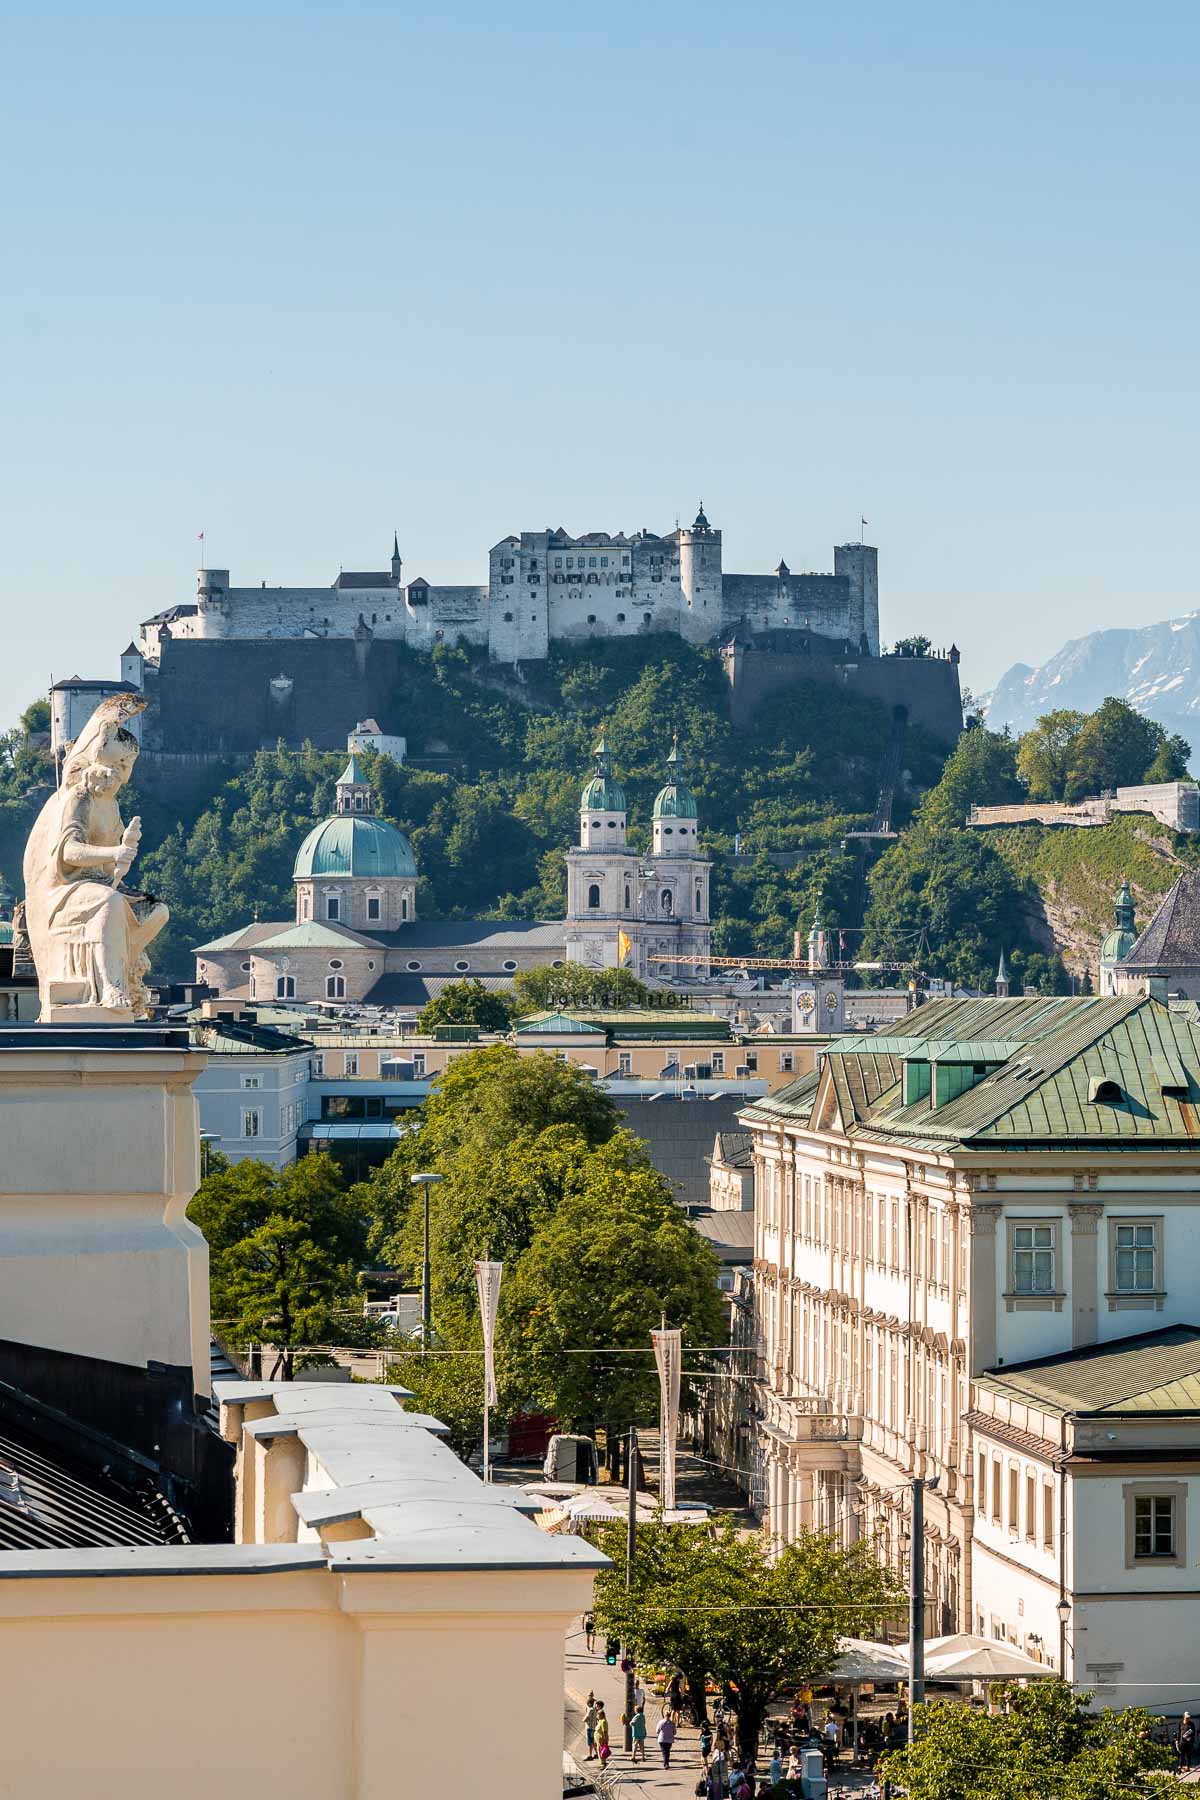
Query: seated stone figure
point(88, 936)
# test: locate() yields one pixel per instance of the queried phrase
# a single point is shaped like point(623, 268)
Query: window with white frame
point(981, 1484)
point(1133, 1257)
point(1154, 1523)
point(1033, 1256)
point(624, 1062)
point(418, 1066)
point(335, 987)
point(251, 1122)
point(786, 1062)
point(251, 1081)
point(285, 987)
point(1030, 1507)
point(333, 906)
point(374, 907)
point(318, 1066)
point(1047, 1515)
point(350, 1066)
point(718, 1062)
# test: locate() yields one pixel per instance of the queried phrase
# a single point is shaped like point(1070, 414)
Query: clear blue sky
point(294, 276)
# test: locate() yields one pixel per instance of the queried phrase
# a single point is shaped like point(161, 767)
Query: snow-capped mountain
point(1156, 668)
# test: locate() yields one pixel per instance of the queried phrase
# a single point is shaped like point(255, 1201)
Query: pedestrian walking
point(776, 1769)
point(666, 1737)
point(589, 1631)
point(1185, 1741)
point(675, 1696)
point(591, 1714)
point(637, 1731)
point(795, 1768)
point(706, 1744)
point(603, 1747)
point(639, 1694)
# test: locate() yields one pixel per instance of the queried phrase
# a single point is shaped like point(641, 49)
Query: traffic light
point(612, 1649)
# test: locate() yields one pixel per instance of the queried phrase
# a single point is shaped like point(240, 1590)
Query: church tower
point(603, 880)
point(602, 806)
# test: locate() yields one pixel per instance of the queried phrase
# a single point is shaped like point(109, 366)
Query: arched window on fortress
point(594, 896)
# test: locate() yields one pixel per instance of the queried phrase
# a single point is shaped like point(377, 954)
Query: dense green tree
point(955, 887)
point(727, 1606)
point(1043, 1745)
point(1114, 749)
point(1171, 760)
point(36, 718)
point(467, 1003)
point(918, 645)
point(980, 771)
point(613, 1257)
point(284, 1251)
point(1046, 753)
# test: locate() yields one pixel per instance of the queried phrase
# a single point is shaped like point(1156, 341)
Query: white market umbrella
point(965, 1657)
point(859, 1659)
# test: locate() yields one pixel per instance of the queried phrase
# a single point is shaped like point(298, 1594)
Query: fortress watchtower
point(700, 579)
point(212, 601)
point(859, 563)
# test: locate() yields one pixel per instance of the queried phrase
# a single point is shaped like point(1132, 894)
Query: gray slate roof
point(1155, 1372)
point(735, 1149)
point(1172, 938)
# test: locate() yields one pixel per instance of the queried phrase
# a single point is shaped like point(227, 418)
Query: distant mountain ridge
point(1156, 668)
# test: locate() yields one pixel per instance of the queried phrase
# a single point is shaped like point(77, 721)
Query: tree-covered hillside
point(495, 806)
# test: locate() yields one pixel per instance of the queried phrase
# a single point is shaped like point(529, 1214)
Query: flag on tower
point(624, 946)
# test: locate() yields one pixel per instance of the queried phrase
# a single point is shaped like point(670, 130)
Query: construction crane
point(779, 962)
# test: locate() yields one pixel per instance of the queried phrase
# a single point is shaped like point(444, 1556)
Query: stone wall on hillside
point(926, 686)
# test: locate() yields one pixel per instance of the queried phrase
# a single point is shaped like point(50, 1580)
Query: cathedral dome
point(675, 801)
point(351, 845)
point(1117, 945)
point(602, 794)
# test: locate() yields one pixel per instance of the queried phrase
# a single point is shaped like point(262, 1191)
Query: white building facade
point(985, 1184)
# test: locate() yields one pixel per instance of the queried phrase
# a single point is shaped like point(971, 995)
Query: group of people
point(599, 1737)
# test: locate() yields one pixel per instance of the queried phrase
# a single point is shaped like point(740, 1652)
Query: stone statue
point(89, 936)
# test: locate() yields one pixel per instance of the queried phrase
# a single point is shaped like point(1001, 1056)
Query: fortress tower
point(859, 563)
point(212, 602)
point(700, 579)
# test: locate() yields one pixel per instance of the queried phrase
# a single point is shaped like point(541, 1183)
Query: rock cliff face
point(1155, 667)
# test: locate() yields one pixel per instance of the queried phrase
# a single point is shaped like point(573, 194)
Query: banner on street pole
point(668, 1354)
point(487, 1280)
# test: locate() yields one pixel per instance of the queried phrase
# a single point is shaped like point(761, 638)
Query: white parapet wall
point(386, 1625)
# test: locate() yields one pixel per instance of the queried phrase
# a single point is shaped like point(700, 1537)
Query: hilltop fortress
point(545, 587)
point(238, 668)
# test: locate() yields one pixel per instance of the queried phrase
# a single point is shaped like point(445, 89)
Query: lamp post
point(916, 1601)
point(1063, 1609)
point(425, 1182)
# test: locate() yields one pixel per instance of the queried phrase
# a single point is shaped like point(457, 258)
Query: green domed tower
point(354, 869)
point(602, 806)
point(675, 825)
point(1117, 944)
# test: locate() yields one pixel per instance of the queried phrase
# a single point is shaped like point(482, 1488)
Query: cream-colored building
point(313, 1540)
point(987, 1184)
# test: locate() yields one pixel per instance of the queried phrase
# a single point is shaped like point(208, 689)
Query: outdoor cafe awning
point(965, 1657)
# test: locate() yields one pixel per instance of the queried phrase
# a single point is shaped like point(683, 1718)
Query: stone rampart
point(926, 686)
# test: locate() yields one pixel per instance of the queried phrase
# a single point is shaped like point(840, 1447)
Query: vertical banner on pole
point(487, 1281)
point(668, 1354)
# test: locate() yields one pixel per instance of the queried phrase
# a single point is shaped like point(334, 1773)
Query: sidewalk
point(586, 1672)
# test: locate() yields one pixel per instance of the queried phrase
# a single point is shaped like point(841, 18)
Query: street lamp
point(916, 1599)
point(1063, 1609)
point(425, 1182)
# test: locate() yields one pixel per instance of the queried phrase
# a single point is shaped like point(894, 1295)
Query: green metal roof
point(312, 936)
point(1047, 1089)
point(353, 844)
point(675, 801)
point(1117, 945)
point(352, 775)
point(602, 794)
point(229, 942)
point(1158, 1372)
point(557, 1025)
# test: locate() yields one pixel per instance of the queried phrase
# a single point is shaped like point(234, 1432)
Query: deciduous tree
point(720, 1604)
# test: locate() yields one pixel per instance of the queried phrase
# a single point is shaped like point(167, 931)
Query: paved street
point(586, 1672)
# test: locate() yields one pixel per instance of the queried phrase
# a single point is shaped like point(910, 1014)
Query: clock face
point(831, 1001)
point(806, 1001)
